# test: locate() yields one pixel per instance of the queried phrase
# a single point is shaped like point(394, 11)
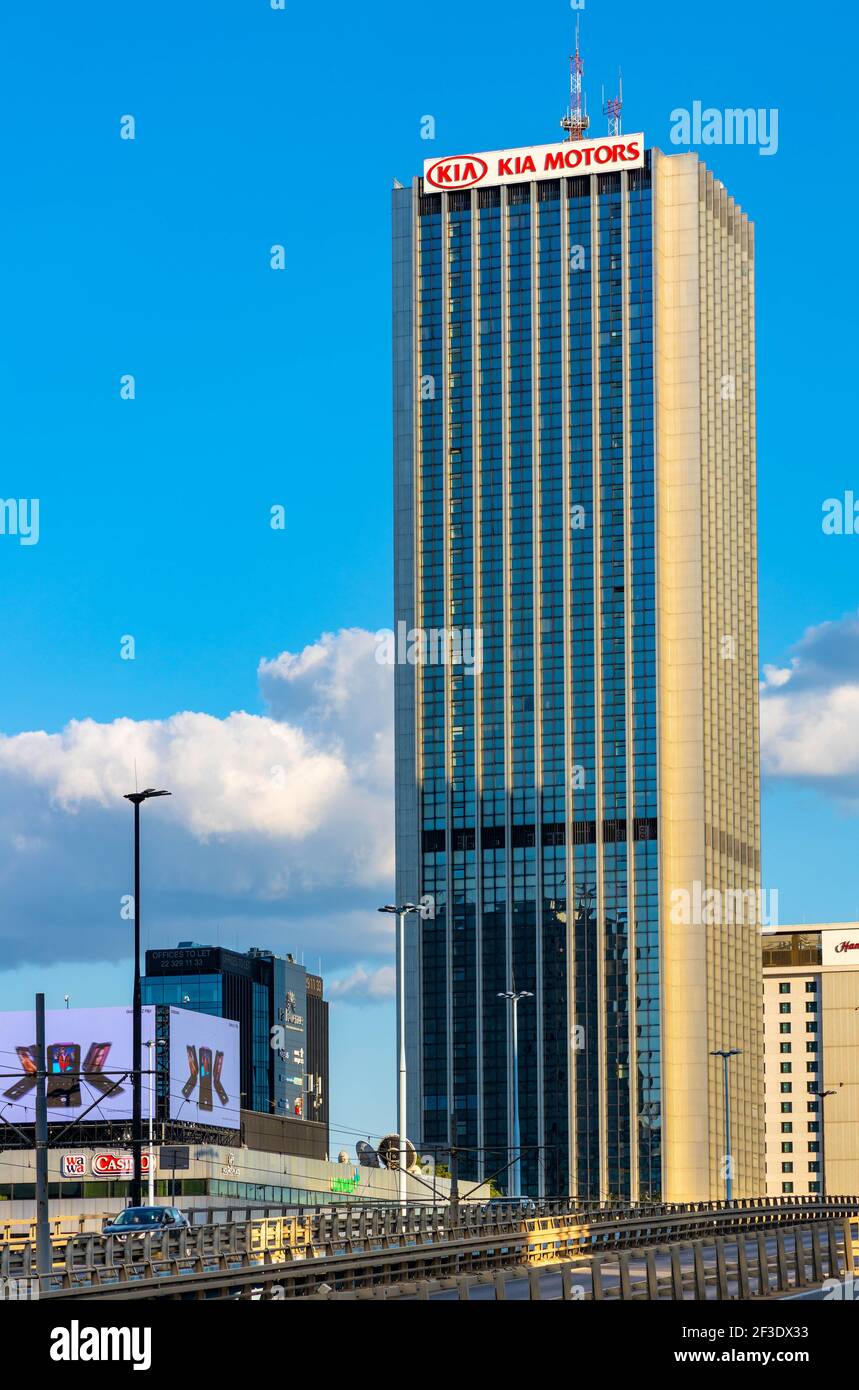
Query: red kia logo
point(463, 171)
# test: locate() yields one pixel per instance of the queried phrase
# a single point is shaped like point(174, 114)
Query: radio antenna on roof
point(576, 121)
point(614, 106)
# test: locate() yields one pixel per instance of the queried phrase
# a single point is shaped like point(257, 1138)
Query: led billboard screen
point(88, 1054)
point(204, 1069)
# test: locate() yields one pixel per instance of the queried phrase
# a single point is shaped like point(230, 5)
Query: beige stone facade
point(709, 741)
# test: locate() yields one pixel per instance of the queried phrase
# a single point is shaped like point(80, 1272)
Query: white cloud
point(278, 823)
point(363, 985)
point(810, 712)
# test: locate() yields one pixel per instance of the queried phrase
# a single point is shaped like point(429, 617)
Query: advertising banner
point(569, 157)
point(204, 1069)
point(89, 1060)
point(841, 947)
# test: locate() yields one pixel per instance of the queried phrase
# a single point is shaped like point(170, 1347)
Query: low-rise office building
point(811, 1042)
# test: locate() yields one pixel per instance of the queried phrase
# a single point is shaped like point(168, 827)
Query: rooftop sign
point(570, 157)
point(841, 947)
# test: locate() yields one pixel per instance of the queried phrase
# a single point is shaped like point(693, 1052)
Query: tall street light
point(821, 1096)
point(401, 913)
point(726, 1054)
point(514, 996)
point(137, 1018)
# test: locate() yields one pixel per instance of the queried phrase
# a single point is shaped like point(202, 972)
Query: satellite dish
point(367, 1156)
point(389, 1152)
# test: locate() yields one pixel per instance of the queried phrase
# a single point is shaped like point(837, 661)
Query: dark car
point(141, 1221)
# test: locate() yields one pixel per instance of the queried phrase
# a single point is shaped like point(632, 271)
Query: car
point(141, 1221)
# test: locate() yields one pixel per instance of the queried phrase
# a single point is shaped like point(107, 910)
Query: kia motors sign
point(606, 156)
point(841, 947)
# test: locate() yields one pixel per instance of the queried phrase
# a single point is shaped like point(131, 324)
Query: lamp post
point(514, 996)
point(401, 914)
point(153, 1042)
point(821, 1096)
point(726, 1054)
point(137, 1018)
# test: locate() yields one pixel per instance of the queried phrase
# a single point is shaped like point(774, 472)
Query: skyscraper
point(574, 438)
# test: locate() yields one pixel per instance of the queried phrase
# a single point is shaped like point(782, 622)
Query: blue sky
point(256, 388)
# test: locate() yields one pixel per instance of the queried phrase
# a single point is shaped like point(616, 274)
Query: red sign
point(116, 1165)
point(537, 161)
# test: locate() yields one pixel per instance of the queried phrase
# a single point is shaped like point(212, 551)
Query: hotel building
point(811, 1028)
point(574, 441)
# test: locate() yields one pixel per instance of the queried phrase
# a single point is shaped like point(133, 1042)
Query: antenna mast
point(576, 121)
point(614, 106)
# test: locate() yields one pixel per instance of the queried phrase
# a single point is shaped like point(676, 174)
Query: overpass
point(758, 1248)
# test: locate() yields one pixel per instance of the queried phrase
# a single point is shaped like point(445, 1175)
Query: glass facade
point(527, 418)
point(262, 992)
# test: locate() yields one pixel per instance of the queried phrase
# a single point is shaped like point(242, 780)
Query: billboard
point(841, 947)
point(89, 1059)
point(204, 1069)
point(495, 167)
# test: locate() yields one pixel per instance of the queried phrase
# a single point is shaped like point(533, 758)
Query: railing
point(788, 1261)
point(350, 1248)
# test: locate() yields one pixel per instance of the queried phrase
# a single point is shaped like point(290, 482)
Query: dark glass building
point(279, 1007)
point(575, 491)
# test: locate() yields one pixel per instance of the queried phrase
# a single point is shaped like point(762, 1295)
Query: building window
point(787, 1126)
point(786, 1067)
point(784, 1008)
point(784, 1028)
point(787, 1167)
point(787, 1107)
point(784, 1047)
point(810, 986)
point(787, 1188)
point(786, 1087)
point(787, 1148)
point(814, 1187)
point(784, 987)
point(814, 1167)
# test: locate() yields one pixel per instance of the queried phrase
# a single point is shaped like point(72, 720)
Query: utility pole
point(454, 1180)
point(44, 1251)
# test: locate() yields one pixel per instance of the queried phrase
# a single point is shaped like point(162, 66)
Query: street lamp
point(152, 1042)
point(516, 1168)
point(137, 1018)
point(726, 1054)
point(401, 913)
point(821, 1096)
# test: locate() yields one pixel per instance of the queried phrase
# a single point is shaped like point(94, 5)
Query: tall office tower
point(574, 432)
